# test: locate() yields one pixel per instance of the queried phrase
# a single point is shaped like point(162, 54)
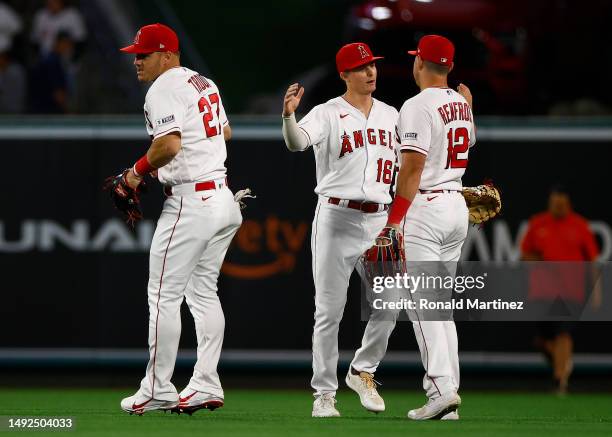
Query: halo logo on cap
point(362, 51)
point(354, 55)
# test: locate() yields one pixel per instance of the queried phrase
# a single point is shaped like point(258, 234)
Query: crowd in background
point(39, 58)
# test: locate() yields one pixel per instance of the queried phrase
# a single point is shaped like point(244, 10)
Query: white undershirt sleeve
point(295, 138)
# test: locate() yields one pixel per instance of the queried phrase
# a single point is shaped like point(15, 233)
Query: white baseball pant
point(434, 230)
point(190, 242)
point(339, 237)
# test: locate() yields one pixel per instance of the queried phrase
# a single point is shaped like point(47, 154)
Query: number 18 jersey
point(181, 100)
point(438, 123)
point(355, 154)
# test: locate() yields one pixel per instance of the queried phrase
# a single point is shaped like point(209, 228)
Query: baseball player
point(186, 120)
point(352, 137)
point(436, 130)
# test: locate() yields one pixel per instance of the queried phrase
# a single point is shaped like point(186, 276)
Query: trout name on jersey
point(356, 140)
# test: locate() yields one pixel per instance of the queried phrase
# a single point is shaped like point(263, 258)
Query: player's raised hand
point(292, 99)
point(466, 93)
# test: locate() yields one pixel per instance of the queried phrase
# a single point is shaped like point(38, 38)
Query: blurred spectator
point(56, 17)
point(560, 235)
point(12, 81)
point(10, 24)
point(50, 81)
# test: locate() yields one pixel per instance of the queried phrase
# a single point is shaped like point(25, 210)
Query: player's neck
point(169, 67)
point(433, 82)
point(363, 102)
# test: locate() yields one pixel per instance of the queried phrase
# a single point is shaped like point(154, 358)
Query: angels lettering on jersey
point(373, 136)
point(355, 154)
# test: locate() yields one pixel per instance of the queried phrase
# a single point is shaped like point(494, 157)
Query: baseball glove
point(125, 198)
point(389, 247)
point(483, 202)
point(386, 257)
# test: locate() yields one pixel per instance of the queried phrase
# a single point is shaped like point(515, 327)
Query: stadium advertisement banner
point(68, 260)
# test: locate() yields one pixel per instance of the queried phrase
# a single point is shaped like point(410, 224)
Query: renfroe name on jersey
point(455, 111)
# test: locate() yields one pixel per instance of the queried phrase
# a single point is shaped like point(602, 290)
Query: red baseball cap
point(154, 38)
point(354, 55)
point(436, 49)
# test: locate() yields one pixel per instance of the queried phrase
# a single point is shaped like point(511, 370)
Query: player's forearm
point(163, 150)
point(227, 133)
point(408, 182)
point(295, 139)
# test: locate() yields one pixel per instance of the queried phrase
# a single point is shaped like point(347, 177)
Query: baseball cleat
point(325, 406)
point(365, 386)
point(436, 408)
point(453, 415)
point(138, 404)
point(191, 401)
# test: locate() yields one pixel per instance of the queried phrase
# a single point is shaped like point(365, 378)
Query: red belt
point(199, 186)
point(368, 207)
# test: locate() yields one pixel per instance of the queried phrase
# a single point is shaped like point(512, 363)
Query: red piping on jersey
point(175, 128)
point(161, 278)
point(307, 134)
point(416, 147)
point(368, 116)
point(426, 365)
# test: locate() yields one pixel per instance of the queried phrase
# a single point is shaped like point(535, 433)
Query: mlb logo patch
point(410, 136)
point(164, 120)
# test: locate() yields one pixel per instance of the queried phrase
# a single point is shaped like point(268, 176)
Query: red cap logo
point(436, 49)
point(354, 55)
point(154, 38)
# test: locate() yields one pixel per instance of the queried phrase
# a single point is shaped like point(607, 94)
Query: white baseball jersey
point(355, 155)
point(438, 122)
point(181, 100)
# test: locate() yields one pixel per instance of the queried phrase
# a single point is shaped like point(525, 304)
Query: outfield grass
point(287, 413)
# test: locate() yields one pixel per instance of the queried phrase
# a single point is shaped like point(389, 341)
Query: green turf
point(287, 413)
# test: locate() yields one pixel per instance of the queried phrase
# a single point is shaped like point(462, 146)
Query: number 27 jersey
point(181, 100)
point(438, 123)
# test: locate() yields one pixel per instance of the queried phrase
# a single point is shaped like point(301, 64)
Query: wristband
point(142, 166)
point(399, 208)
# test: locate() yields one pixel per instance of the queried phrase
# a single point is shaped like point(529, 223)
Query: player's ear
point(343, 75)
point(450, 67)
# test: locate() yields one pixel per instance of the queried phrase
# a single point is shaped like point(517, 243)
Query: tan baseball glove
point(483, 202)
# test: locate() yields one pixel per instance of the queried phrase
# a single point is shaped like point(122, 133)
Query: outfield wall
point(74, 276)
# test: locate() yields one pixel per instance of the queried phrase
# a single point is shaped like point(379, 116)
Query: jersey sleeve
point(315, 125)
point(414, 128)
point(165, 111)
point(222, 115)
point(473, 134)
